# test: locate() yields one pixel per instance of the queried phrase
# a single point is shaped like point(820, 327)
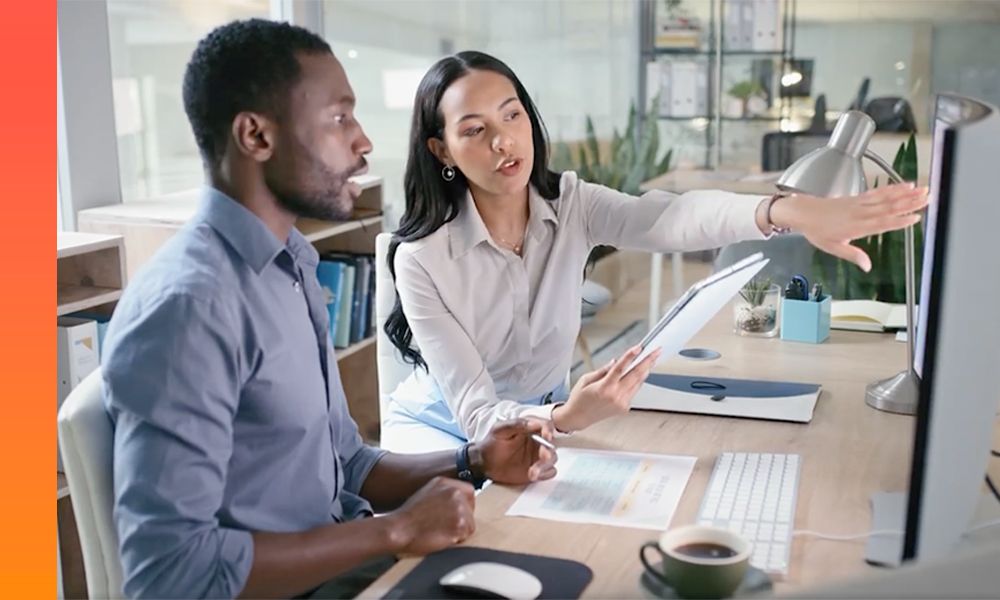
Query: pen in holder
point(805, 320)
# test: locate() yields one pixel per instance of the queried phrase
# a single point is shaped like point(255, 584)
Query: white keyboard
point(754, 495)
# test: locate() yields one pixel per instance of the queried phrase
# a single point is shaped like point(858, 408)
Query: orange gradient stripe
point(27, 299)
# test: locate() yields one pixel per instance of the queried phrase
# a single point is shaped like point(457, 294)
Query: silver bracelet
point(775, 230)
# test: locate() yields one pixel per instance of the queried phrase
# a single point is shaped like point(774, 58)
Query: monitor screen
point(956, 347)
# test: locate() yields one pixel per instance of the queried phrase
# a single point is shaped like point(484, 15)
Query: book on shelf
point(342, 339)
point(354, 313)
point(867, 315)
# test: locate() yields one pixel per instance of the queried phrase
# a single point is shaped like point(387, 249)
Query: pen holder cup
point(805, 320)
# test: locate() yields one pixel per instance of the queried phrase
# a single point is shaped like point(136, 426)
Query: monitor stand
point(888, 513)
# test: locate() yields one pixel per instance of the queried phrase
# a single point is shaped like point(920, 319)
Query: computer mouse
point(492, 580)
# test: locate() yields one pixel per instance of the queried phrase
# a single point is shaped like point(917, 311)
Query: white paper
point(624, 489)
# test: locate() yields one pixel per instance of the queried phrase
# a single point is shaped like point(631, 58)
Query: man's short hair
point(245, 65)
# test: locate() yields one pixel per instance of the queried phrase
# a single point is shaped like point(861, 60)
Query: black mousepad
point(560, 578)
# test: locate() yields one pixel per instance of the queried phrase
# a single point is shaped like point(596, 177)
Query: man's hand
point(603, 393)
point(509, 455)
point(439, 515)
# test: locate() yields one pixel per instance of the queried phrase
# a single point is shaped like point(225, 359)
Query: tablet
point(696, 307)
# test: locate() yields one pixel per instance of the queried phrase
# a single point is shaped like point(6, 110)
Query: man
point(237, 468)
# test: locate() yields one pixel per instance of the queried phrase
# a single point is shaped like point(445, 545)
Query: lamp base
point(897, 394)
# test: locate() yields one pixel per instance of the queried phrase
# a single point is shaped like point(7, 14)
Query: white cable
point(846, 538)
point(879, 532)
point(985, 525)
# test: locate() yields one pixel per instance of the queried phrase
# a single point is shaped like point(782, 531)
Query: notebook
point(867, 315)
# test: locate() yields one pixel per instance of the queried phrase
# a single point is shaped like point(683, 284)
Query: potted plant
point(886, 282)
point(756, 312)
point(634, 157)
point(744, 91)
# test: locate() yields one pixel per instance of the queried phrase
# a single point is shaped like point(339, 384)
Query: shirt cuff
point(752, 203)
point(544, 412)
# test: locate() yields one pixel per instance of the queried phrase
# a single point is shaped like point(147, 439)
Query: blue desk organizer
point(805, 320)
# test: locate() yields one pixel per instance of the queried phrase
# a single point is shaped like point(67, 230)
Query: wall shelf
point(90, 271)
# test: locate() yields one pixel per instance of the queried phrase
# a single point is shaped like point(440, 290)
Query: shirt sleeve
point(357, 457)
point(452, 357)
point(660, 221)
point(171, 384)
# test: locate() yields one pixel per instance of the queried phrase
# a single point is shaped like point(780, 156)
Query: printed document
point(624, 489)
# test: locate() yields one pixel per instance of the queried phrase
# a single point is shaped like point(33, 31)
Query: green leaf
point(592, 146)
point(562, 158)
point(630, 127)
point(664, 165)
point(583, 168)
point(616, 143)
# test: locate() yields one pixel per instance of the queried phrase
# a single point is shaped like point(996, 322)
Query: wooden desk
point(848, 451)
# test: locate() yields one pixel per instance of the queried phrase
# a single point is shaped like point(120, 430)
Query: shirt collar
point(467, 230)
point(248, 235)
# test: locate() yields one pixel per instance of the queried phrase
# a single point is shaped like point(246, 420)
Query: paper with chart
point(624, 489)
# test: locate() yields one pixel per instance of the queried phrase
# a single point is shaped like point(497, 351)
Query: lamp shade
point(835, 169)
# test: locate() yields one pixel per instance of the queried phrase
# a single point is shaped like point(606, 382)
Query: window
point(150, 44)
point(575, 59)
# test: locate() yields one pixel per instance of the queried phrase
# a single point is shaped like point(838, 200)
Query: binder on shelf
point(329, 274)
point(747, 12)
point(732, 25)
point(766, 26)
point(101, 321)
point(77, 356)
point(686, 82)
point(77, 348)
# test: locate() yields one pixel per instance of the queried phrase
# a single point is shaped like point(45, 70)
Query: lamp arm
point(910, 270)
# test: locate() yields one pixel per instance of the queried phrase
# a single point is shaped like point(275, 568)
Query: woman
point(489, 255)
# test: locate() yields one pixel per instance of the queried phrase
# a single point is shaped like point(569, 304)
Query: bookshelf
point(90, 271)
point(144, 226)
point(721, 57)
point(90, 274)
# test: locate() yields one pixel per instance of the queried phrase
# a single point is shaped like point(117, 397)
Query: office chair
point(892, 114)
point(86, 440)
point(780, 149)
point(389, 364)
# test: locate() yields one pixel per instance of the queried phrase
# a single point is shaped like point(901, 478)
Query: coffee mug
point(699, 561)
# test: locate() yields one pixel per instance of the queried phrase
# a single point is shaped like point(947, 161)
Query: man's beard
point(327, 201)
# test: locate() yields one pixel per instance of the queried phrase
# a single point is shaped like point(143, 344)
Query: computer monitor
point(958, 333)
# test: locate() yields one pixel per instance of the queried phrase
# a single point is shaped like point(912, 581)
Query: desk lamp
point(835, 170)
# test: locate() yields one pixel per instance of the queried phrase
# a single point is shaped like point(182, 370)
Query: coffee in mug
point(699, 561)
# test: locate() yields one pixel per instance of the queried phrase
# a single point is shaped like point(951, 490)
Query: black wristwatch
point(464, 467)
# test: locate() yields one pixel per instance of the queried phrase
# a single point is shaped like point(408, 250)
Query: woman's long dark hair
point(430, 200)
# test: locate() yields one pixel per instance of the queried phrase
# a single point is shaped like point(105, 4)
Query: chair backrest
point(391, 368)
point(779, 149)
point(86, 440)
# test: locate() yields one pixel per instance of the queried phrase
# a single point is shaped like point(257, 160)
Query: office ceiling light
point(791, 78)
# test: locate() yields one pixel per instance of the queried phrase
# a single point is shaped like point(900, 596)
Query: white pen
point(543, 442)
